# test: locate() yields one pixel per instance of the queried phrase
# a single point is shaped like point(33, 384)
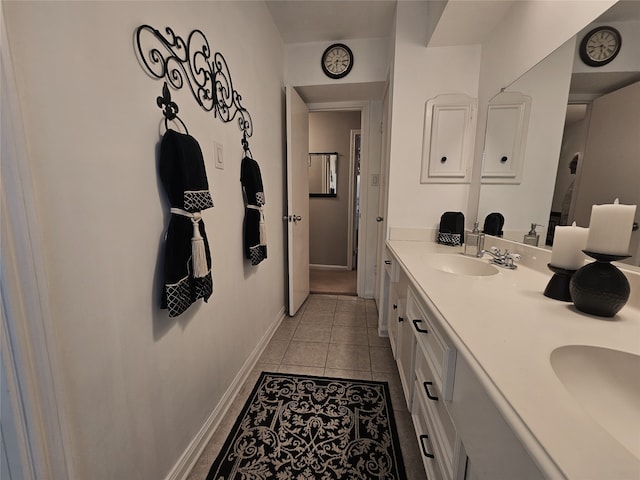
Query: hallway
point(333, 282)
point(333, 336)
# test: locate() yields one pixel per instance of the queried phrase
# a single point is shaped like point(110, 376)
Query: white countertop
point(507, 326)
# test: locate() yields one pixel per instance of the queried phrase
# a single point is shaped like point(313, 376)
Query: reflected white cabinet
point(505, 138)
point(448, 139)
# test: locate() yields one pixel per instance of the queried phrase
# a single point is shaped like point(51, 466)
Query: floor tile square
point(317, 318)
point(274, 352)
point(352, 374)
point(349, 335)
point(348, 357)
point(311, 354)
point(376, 340)
point(310, 332)
point(301, 370)
point(382, 359)
point(349, 319)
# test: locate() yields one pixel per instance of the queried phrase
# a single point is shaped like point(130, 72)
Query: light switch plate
point(218, 156)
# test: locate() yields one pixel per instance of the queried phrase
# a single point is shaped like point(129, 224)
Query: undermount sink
point(606, 383)
point(460, 265)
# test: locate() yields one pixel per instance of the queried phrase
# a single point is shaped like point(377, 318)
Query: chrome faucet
point(504, 259)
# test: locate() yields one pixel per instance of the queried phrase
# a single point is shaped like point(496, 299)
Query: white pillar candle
point(568, 243)
point(610, 228)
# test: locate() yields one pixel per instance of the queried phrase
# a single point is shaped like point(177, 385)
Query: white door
point(297, 215)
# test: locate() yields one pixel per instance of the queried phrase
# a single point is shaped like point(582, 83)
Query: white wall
point(420, 74)
point(370, 64)
point(573, 141)
point(138, 386)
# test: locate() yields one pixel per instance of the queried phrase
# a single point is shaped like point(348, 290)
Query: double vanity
point(503, 382)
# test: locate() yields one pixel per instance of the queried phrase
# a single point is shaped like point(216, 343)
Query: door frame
point(353, 197)
point(383, 201)
point(364, 108)
point(30, 365)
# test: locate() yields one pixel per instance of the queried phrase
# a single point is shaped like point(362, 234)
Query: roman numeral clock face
point(600, 46)
point(337, 61)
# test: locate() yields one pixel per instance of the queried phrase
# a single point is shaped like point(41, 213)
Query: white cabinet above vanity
point(474, 354)
point(448, 139)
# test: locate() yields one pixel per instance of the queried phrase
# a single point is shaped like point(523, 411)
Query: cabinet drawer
point(440, 356)
point(432, 397)
point(425, 441)
point(441, 426)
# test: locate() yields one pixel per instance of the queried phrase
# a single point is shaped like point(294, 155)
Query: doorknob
point(297, 218)
point(379, 219)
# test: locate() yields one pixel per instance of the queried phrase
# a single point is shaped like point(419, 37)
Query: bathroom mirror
point(323, 174)
point(558, 86)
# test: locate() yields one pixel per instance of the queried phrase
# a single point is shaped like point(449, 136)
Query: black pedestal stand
point(558, 286)
point(600, 288)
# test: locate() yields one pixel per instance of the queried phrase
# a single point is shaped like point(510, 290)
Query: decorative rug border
point(397, 451)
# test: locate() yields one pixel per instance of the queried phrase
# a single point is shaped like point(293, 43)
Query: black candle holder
point(600, 288)
point(558, 286)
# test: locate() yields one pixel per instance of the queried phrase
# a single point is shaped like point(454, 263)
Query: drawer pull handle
point(395, 307)
point(426, 389)
point(421, 330)
point(401, 319)
point(387, 262)
point(424, 448)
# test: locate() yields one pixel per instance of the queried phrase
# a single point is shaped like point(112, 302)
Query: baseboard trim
point(328, 267)
point(194, 450)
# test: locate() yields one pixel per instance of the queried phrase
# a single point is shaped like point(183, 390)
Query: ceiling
point(330, 20)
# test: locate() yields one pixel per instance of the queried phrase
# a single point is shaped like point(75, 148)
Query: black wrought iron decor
point(191, 62)
point(169, 108)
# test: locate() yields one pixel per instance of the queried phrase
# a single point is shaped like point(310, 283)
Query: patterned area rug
point(299, 427)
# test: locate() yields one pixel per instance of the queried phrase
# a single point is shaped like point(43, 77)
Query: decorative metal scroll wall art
point(191, 63)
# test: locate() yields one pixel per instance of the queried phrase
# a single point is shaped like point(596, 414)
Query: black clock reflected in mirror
point(600, 46)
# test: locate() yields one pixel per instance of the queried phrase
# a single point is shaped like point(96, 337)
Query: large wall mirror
point(323, 174)
point(570, 103)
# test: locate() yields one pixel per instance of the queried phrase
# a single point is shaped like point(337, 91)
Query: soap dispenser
point(532, 238)
point(474, 243)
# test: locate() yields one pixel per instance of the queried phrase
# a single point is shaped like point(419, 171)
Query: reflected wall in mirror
point(600, 165)
point(323, 174)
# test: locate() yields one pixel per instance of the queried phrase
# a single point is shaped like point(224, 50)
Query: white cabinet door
point(505, 138)
point(448, 139)
point(489, 441)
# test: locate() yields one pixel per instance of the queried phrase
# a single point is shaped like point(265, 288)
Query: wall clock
point(600, 46)
point(337, 61)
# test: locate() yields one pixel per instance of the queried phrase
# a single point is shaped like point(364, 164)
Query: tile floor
point(334, 336)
